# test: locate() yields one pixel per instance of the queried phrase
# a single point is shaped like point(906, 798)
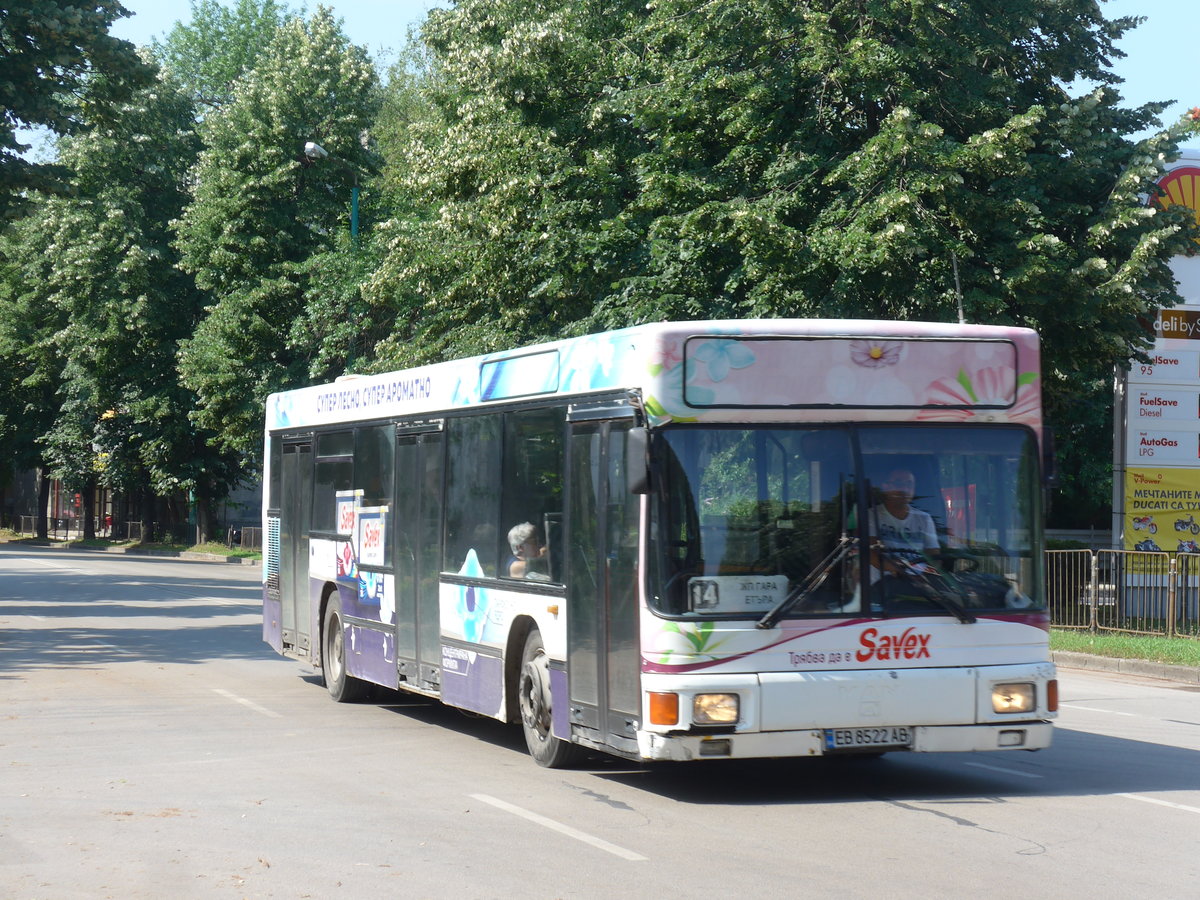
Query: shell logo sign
point(1181, 187)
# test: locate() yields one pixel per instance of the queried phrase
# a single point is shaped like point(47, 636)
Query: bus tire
point(343, 687)
point(533, 692)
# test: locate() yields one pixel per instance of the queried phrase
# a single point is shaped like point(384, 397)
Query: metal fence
point(245, 538)
point(1124, 591)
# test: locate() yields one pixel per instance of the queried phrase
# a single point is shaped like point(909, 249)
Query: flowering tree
point(595, 164)
point(50, 53)
point(260, 210)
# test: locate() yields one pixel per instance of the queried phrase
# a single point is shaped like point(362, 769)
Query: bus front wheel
point(343, 687)
point(534, 693)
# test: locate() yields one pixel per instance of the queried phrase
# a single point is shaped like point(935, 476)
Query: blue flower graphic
point(722, 355)
point(472, 606)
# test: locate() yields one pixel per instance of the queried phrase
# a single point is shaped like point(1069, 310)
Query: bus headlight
point(715, 709)
point(1013, 698)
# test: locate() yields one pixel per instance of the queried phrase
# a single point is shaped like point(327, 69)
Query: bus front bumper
point(925, 739)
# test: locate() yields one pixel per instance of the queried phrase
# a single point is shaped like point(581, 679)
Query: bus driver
point(906, 534)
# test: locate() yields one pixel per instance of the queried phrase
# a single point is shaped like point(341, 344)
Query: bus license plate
point(855, 738)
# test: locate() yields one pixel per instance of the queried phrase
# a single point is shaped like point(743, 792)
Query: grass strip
point(1173, 651)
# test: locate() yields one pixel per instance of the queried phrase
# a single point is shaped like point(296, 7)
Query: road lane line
point(978, 765)
point(1157, 802)
point(561, 828)
point(249, 704)
point(1110, 712)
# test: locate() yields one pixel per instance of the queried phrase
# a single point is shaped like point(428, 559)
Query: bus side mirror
point(637, 459)
point(1049, 458)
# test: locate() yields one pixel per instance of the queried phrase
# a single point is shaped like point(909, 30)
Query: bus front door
point(417, 557)
point(603, 662)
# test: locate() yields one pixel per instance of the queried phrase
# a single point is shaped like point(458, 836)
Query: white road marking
point(561, 828)
point(1156, 802)
point(42, 562)
point(249, 704)
point(1095, 709)
point(978, 765)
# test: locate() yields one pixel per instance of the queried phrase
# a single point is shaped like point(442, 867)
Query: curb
point(190, 555)
point(1142, 667)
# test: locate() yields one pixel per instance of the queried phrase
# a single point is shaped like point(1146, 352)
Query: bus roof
point(732, 370)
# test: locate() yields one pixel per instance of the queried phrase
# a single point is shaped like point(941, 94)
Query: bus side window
point(373, 464)
point(473, 484)
point(533, 471)
point(334, 472)
point(373, 471)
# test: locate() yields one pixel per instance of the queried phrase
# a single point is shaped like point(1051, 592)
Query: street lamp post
point(315, 151)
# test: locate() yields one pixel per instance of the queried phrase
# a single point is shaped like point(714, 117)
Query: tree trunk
point(120, 513)
point(89, 510)
point(43, 531)
point(145, 515)
point(206, 517)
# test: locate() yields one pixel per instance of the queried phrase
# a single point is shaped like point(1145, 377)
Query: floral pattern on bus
point(685, 639)
point(471, 606)
point(989, 386)
point(718, 358)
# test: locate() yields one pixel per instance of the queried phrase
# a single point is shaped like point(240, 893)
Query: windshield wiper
point(809, 583)
point(937, 595)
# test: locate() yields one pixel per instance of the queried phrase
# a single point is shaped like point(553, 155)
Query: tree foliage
point(50, 53)
point(98, 271)
point(261, 209)
point(541, 168)
point(595, 164)
point(217, 45)
point(517, 170)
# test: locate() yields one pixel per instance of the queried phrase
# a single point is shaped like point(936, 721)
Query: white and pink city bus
point(681, 541)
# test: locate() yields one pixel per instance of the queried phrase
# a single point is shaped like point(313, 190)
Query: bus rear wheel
point(533, 690)
point(343, 687)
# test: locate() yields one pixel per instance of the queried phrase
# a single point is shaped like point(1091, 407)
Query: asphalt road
point(152, 746)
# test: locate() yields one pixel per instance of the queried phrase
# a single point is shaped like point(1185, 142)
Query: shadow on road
point(952, 779)
point(54, 613)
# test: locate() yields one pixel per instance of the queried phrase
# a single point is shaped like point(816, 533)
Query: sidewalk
point(135, 551)
point(1146, 669)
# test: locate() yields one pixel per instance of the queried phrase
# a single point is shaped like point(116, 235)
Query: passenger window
point(334, 472)
point(373, 464)
point(532, 502)
point(473, 483)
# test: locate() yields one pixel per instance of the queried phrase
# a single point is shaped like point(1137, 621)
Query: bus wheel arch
point(513, 657)
point(533, 695)
point(343, 687)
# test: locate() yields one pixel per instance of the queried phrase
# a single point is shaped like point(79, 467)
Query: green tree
point(513, 171)
point(30, 368)
point(756, 158)
point(50, 52)
point(217, 45)
point(121, 309)
point(100, 272)
point(261, 209)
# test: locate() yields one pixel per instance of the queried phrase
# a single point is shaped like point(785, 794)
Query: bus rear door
point(417, 555)
point(294, 522)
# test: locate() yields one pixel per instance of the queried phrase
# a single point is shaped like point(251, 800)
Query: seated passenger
point(529, 553)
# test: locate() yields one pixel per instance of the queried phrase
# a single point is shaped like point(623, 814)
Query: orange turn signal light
point(1052, 695)
point(664, 708)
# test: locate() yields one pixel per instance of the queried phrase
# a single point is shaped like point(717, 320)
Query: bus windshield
point(751, 520)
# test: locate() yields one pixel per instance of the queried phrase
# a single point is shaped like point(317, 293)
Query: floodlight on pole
point(314, 151)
